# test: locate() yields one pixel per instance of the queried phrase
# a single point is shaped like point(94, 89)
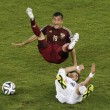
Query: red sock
point(35, 28)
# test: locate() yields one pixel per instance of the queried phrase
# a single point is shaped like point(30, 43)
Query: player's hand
point(81, 67)
point(93, 68)
point(18, 44)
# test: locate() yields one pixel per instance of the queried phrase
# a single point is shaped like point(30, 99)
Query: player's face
point(57, 22)
point(74, 76)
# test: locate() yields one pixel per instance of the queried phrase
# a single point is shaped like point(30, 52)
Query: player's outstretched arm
point(88, 79)
point(31, 39)
point(74, 68)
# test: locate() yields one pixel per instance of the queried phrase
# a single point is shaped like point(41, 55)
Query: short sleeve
point(70, 35)
point(62, 72)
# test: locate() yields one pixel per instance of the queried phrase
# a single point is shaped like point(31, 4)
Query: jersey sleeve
point(68, 39)
point(70, 35)
point(62, 72)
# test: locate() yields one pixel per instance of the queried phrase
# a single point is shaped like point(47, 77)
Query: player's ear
point(68, 74)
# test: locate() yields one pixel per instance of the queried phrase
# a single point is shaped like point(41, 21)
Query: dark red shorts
point(52, 52)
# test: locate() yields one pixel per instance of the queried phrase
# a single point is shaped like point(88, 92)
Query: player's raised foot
point(73, 41)
point(61, 81)
point(89, 90)
point(30, 13)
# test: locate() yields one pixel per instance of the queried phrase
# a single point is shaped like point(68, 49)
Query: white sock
point(30, 13)
point(31, 16)
point(71, 45)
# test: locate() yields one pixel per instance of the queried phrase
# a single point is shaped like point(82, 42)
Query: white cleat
point(73, 41)
point(30, 13)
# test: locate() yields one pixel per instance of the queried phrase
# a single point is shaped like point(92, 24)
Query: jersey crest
point(50, 31)
point(62, 35)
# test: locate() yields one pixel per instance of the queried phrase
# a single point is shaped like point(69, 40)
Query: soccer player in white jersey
point(67, 88)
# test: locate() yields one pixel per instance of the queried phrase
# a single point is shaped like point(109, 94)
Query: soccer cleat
point(61, 81)
point(73, 41)
point(89, 90)
point(30, 13)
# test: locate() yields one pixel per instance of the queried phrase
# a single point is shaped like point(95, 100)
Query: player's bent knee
point(41, 36)
point(82, 89)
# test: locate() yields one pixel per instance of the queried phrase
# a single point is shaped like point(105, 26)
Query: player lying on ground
point(67, 88)
point(57, 45)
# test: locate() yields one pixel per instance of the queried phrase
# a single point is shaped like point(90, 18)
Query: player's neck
point(58, 27)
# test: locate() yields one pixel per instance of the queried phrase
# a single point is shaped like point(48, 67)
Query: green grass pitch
point(34, 77)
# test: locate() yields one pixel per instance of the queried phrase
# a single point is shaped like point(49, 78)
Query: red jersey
point(57, 36)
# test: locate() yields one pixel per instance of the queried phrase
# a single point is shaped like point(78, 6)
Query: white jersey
point(67, 95)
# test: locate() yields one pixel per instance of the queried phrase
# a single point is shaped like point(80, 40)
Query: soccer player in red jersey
point(54, 41)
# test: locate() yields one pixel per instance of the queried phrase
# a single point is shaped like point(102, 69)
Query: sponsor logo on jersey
point(73, 84)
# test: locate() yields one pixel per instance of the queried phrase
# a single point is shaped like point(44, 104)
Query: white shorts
point(74, 98)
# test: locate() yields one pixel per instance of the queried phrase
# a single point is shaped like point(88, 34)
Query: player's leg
point(65, 48)
point(69, 46)
point(62, 52)
point(85, 92)
point(89, 90)
point(34, 26)
point(42, 44)
point(80, 90)
point(74, 39)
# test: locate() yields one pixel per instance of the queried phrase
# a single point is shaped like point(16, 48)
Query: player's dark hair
point(58, 14)
point(77, 73)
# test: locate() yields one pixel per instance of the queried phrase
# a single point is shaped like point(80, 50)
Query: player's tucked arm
point(62, 73)
point(88, 79)
point(70, 69)
point(73, 55)
point(31, 39)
